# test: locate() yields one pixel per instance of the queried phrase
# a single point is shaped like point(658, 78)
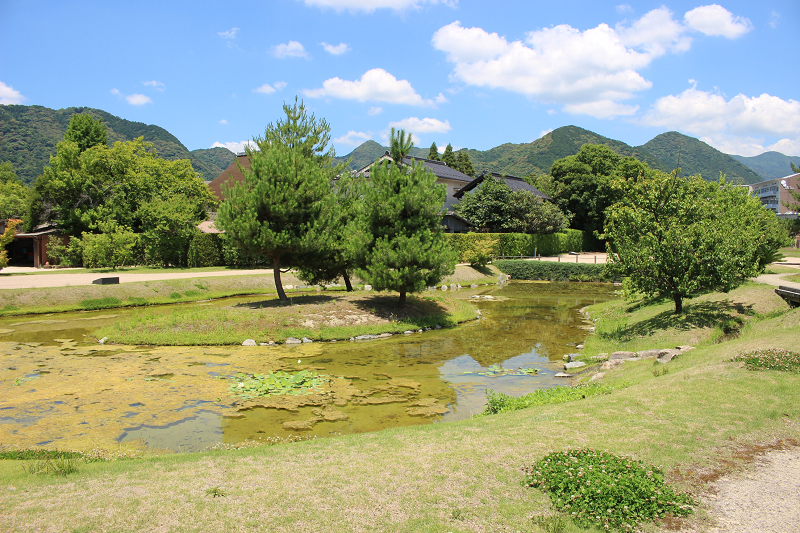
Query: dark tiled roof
point(515, 183)
point(439, 168)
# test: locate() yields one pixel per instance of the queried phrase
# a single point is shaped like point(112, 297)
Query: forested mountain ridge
point(769, 165)
point(694, 156)
point(29, 135)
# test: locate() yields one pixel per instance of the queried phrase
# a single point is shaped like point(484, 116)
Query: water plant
point(600, 489)
point(249, 386)
point(496, 371)
point(770, 359)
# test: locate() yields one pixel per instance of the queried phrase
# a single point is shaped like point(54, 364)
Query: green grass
point(497, 402)
point(695, 423)
point(770, 359)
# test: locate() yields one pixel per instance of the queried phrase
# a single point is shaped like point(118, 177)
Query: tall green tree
point(276, 211)
point(530, 214)
point(6, 237)
point(433, 153)
point(408, 250)
point(464, 163)
point(448, 157)
point(13, 193)
point(168, 226)
point(86, 131)
point(677, 237)
point(400, 145)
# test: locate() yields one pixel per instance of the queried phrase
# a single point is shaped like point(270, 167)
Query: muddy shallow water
point(62, 389)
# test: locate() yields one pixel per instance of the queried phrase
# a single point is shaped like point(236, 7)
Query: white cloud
point(233, 146)
point(9, 96)
point(230, 34)
point(730, 125)
point(290, 49)
point(375, 111)
point(157, 85)
point(422, 126)
point(589, 72)
point(337, 49)
point(223, 121)
point(138, 99)
point(545, 132)
point(371, 5)
point(715, 20)
point(352, 138)
point(115, 92)
point(774, 17)
point(269, 89)
point(624, 8)
point(375, 85)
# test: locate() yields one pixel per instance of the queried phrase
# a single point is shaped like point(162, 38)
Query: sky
point(471, 73)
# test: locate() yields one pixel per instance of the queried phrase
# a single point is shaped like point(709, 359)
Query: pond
point(61, 389)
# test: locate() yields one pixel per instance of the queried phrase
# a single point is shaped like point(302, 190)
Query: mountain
point(29, 135)
point(697, 157)
point(368, 151)
point(769, 165)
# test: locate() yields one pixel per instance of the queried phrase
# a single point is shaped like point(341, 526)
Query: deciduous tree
point(13, 193)
point(86, 131)
point(677, 237)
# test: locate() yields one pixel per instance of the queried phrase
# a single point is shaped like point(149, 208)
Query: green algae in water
point(276, 383)
point(496, 371)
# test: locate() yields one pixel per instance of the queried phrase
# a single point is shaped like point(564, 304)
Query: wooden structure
point(790, 294)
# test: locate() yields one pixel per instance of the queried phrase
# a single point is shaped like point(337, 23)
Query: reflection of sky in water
point(190, 434)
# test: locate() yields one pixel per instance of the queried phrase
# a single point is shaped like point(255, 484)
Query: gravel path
point(66, 279)
point(765, 499)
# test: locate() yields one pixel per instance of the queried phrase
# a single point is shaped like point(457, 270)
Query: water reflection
point(177, 397)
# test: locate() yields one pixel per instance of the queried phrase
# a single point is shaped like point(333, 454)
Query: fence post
point(595, 259)
point(559, 258)
point(576, 258)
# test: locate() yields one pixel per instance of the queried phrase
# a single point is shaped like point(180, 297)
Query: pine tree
point(433, 153)
point(400, 145)
point(449, 157)
point(408, 250)
point(277, 211)
point(464, 164)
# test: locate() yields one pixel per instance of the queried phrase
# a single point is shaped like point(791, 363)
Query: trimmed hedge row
point(467, 245)
point(549, 270)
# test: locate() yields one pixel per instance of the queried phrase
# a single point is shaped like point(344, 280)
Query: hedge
point(550, 270)
point(205, 250)
point(466, 244)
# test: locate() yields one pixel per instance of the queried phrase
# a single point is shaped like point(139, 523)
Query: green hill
point(769, 165)
point(29, 135)
point(697, 157)
point(368, 151)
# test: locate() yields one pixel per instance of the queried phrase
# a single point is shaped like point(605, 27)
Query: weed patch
point(605, 490)
point(100, 303)
point(770, 359)
point(497, 402)
point(62, 465)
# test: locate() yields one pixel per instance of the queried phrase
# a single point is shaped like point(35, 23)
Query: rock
point(478, 312)
point(591, 329)
point(579, 347)
point(452, 286)
point(570, 357)
point(306, 339)
point(487, 297)
point(103, 340)
point(263, 344)
point(438, 326)
point(621, 355)
point(458, 286)
point(647, 354)
point(407, 332)
point(384, 335)
point(288, 287)
point(473, 286)
point(293, 340)
point(249, 342)
point(444, 287)
point(563, 375)
point(574, 364)
point(352, 339)
point(364, 337)
point(598, 376)
point(608, 365)
point(668, 355)
point(419, 331)
point(685, 348)
point(367, 287)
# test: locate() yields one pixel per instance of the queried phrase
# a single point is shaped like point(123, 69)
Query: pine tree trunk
point(402, 298)
point(347, 282)
point(276, 273)
point(678, 303)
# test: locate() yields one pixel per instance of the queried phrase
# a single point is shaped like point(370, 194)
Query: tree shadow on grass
point(305, 299)
point(726, 315)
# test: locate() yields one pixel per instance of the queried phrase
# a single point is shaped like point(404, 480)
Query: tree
point(114, 247)
point(86, 132)
point(80, 189)
point(13, 193)
point(488, 206)
point(7, 237)
point(276, 211)
point(433, 153)
point(408, 250)
point(530, 214)
point(464, 164)
point(168, 226)
point(676, 237)
point(795, 168)
point(448, 157)
point(400, 145)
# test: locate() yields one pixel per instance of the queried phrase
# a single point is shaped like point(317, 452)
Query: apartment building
point(777, 194)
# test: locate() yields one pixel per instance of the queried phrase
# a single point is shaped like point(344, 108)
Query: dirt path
point(765, 499)
point(66, 279)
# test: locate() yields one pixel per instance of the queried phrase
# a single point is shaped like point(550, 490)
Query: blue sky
point(472, 73)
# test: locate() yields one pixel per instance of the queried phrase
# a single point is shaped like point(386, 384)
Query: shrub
point(497, 402)
point(466, 244)
point(68, 254)
point(115, 247)
point(605, 490)
point(770, 359)
point(205, 250)
point(549, 270)
point(234, 256)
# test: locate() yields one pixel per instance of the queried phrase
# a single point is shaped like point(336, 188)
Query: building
point(777, 194)
point(230, 175)
point(30, 249)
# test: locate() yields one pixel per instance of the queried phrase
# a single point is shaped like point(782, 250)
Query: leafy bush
point(205, 250)
point(512, 244)
point(68, 254)
point(497, 402)
point(549, 270)
point(605, 490)
point(115, 247)
point(770, 359)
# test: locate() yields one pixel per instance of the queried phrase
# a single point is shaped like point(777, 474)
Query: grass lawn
point(703, 417)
